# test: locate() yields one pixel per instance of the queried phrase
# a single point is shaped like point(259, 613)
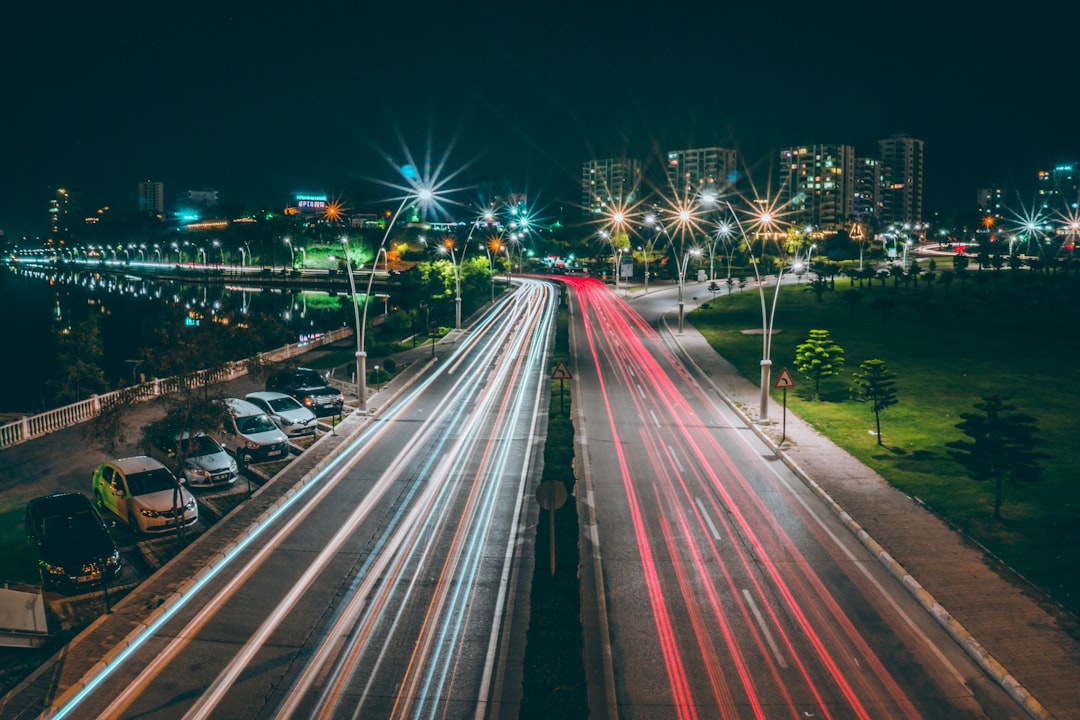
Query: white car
point(144, 494)
point(250, 435)
point(286, 411)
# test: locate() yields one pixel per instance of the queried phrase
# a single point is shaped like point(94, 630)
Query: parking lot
point(64, 461)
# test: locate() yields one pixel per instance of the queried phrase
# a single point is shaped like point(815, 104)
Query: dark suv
point(309, 387)
point(74, 546)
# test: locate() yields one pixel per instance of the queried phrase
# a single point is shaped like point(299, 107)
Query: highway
point(382, 588)
point(716, 585)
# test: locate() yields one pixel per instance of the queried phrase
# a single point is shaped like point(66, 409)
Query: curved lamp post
point(691, 252)
point(424, 195)
point(447, 248)
point(764, 220)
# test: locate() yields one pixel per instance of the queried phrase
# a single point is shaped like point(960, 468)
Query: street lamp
point(361, 390)
point(292, 252)
point(447, 247)
point(423, 194)
point(492, 249)
point(764, 220)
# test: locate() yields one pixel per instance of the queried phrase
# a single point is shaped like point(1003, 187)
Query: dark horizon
point(258, 103)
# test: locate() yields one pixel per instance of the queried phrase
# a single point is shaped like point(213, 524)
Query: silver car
point(294, 419)
point(206, 464)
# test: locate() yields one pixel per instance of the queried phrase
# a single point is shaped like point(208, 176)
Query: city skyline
point(243, 102)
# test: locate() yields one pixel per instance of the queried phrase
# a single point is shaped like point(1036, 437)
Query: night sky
point(260, 100)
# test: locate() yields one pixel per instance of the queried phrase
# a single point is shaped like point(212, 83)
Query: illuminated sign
point(310, 201)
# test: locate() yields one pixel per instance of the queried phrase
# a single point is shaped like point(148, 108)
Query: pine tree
point(1002, 446)
point(873, 382)
point(818, 357)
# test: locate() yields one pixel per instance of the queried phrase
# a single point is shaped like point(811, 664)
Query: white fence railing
point(32, 426)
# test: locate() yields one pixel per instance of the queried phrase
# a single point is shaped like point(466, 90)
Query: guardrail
point(32, 426)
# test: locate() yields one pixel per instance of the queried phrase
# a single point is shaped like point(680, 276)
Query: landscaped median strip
point(951, 625)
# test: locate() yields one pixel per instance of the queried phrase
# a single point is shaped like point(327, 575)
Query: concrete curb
point(953, 627)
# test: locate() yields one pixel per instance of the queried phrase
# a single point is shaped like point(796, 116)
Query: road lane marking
point(764, 629)
point(708, 519)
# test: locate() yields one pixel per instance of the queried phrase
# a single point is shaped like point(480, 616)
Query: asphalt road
point(722, 587)
point(382, 585)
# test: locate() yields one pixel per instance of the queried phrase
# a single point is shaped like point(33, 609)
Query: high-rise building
point(1059, 189)
point(866, 200)
point(151, 197)
point(64, 216)
point(817, 184)
point(992, 200)
point(698, 170)
point(901, 180)
point(609, 182)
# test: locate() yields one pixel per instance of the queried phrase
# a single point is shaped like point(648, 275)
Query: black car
point(74, 546)
point(309, 388)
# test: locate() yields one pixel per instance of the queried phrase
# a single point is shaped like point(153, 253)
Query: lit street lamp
point(423, 194)
point(764, 220)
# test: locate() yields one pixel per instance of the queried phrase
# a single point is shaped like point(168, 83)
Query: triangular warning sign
point(561, 372)
point(785, 380)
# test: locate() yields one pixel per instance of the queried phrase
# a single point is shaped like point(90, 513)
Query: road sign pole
point(783, 424)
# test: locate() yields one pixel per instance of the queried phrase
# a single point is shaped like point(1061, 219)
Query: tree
point(817, 357)
point(78, 351)
point(873, 382)
point(819, 286)
point(1001, 446)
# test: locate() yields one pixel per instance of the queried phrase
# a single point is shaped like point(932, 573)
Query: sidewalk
point(1030, 647)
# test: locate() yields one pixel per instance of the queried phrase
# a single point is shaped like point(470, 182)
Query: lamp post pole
point(448, 248)
point(682, 281)
point(767, 317)
point(424, 195)
point(361, 385)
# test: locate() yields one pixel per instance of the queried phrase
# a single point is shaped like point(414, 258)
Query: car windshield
point(309, 378)
point(151, 481)
point(253, 424)
point(200, 445)
point(82, 523)
point(283, 404)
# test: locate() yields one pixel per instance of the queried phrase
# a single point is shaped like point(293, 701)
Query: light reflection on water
point(37, 300)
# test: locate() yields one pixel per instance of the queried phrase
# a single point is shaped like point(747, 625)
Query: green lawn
point(948, 347)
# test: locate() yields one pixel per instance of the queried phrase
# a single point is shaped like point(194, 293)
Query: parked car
point(250, 435)
point(294, 419)
point(144, 494)
point(206, 464)
point(74, 547)
point(311, 389)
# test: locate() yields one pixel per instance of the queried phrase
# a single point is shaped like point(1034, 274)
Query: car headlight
point(309, 401)
point(189, 505)
point(249, 445)
point(148, 512)
point(198, 471)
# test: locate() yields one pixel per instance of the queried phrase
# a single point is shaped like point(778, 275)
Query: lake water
point(36, 301)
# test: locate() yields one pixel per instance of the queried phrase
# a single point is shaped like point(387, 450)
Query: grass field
point(1010, 334)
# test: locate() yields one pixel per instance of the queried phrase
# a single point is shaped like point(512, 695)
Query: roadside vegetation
point(948, 346)
point(554, 680)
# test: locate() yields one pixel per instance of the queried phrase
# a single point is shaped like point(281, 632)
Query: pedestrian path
point(1028, 645)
